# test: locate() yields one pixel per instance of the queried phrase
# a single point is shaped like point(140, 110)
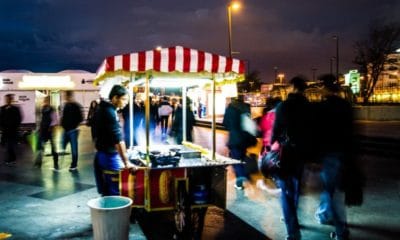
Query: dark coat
point(72, 116)
point(177, 130)
point(232, 122)
point(108, 129)
point(10, 120)
point(291, 130)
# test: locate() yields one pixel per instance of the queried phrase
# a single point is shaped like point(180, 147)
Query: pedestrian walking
point(177, 124)
point(48, 122)
point(266, 125)
point(111, 149)
point(138, 122)
point(238, 141)
point(164, 111)
point(90, 118)
point(153, 117)
point(72, 116)
point(290, 132)
point(10, 121)
point(336, 146)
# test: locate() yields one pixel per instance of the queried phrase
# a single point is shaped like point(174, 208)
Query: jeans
point(11, 145)
point(289, 198)
point(332, 207)
point(107, 161)
point(241, 175)
point(42, 140)
point(71, 137)
point(164, 124)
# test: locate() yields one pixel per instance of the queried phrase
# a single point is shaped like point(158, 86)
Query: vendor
point(111, 155)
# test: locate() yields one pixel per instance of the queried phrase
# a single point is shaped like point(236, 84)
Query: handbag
point(270, 163)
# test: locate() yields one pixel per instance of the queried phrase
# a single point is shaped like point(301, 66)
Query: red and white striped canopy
point(177, 60)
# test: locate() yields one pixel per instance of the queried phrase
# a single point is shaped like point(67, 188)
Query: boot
point(55, 162)
point(38, 160)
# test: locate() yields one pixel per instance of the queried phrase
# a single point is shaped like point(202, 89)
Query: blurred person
point(266, 125)
point(237, 143)
point(153, 116)
point(72, 116)
point(174, 105)
point(111, 149)
point(335, 144)
point(290, 129)
point(164, 111)
point(90, 118)
point(48, 122)
point(177, 124)
point(10, 121)
point(200, 109)
point(138, 122)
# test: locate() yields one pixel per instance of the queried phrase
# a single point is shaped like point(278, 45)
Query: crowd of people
point(71, 116)
point(304, 132)
point(316, 133)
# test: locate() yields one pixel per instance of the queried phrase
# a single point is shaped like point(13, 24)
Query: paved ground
point(41, 204)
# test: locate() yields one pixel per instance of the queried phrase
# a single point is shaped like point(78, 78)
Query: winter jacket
point(266, 126)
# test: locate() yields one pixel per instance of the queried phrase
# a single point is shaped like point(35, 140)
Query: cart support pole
point(213, 125)
point(131, 112)
point(147, 118)
point(184, 117)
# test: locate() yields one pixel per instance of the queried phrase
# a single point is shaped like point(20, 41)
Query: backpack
point(165, 110)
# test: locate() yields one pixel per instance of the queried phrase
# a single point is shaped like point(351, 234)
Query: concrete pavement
point(42, 204)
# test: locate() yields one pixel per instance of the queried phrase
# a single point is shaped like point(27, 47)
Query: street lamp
point(337, 57)
point(281, 76)
point(231, 6)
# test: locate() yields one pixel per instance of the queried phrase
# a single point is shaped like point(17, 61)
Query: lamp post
point(276, 74)
point(330, 65)
point(231, 6)
point(313, 73)
point(337, 57)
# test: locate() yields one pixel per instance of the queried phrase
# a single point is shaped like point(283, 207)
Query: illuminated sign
point(46, 82)
point(352, 79)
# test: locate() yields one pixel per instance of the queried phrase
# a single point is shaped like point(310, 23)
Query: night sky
point(295, 36)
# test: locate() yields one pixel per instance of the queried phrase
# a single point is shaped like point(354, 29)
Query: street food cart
point(185, 178)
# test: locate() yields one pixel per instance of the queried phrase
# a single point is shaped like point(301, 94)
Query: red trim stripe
point(241, 66)
point(157, 60)
point(228, 66)
point(142, 61)
point(214, 63)
point(126, 62)
point(200, 61)
point(171, 59)
point(109, 64)
point(124, 183)
point(186, 59)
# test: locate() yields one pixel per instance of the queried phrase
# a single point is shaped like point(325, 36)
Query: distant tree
point(371, 53)
point(252, 82)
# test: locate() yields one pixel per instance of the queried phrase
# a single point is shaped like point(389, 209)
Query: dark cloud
point(295, 36)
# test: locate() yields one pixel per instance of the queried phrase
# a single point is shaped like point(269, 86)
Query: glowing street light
point(281, 76)
point(231, 6)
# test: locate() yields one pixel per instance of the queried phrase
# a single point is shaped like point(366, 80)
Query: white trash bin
point(110, 217)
